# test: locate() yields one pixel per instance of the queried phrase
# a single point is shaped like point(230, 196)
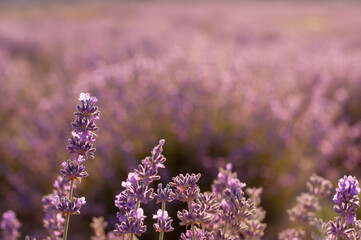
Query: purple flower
point(198, 235)
point(291, 234)
point(254, 230)
point(9, 226)
point(132, 179)
point(98, 225)
point(87, 109)
point(208, 203)
point(66, 206)
point(319, 186)
point(163, 222)
point(137, 191)
point(81, 147)
point(223, 178)
point(235, 202)
point(193, 216)
point(73, 171)
point(346, 198)
point(54, 225)
point(185, 187)
point(163, 195)
point(53, 220)
point(219, 235)
point(304, 211)
point(338, 230)
point(132, 223)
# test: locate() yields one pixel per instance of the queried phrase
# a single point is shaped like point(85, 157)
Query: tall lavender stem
point(81, 146)
point(67, 220)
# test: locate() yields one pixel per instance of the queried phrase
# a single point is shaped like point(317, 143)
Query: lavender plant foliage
point(54, 220)
point(137, 191)
point(249, 94)
point(9, 226)
point(164, 195)
point(185, 187)
point(346, 203)
point(346, 198)
point(61, 203)
point(164, 222)
point(304, 212)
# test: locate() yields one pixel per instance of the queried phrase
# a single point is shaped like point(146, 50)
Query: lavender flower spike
point(163, 222)
point(346, 198)
point(9, 226)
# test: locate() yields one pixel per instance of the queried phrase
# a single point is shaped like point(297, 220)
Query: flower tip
point(161, 142)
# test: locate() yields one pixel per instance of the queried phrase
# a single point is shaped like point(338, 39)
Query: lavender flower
point(133, 223)
point(163, 195)
point(197, 236)
point(346, 198)
point(304, 211)
point(163, 222)
point(219, 235)
point(292, 234)
point(73, 171)
point(137, 191)
point(195, 215)
point(185, 187)
point(254, 230)
point(98, 225)
point(9, 226)
point(54, 224)
point(54, 220)
point(338, 229)
point(81, 145)
point(68, 207)
point(223, 178)
point(319, 186)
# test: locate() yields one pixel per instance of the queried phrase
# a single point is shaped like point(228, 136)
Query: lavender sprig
point(9, 226)
point(186, 190)
point(61, 202)
point(137, 191)
point(163, 221)
point(346, 203)
point(308, 203)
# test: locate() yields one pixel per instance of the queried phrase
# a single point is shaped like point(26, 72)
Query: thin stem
point(225, 228)
point(52, 231)
point(193, 230)
point(67, 219)
point(137, 204)
point(123, 238)
point(161, 234)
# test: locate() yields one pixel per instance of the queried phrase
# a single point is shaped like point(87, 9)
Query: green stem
point(161, 234)
point(137, 204)
point(67, 219)
point(225, 228)
point(193, 230)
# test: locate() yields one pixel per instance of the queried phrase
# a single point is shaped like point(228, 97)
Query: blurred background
point(272, 87)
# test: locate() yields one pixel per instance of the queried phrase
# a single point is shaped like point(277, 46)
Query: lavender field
point(269, 88)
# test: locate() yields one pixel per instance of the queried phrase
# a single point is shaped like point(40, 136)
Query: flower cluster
point(9, 226)
point(230, 212)
point(308, 203)
point(54, 220)
point(225, 213)
point(61, 202)
point(137, 191)
point(346, 203)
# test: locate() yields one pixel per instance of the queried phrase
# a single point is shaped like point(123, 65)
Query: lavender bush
point(224, 213)
point(272, 88)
